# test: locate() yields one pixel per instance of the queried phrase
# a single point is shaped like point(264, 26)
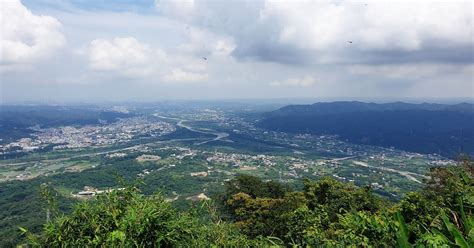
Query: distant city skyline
point(112, 51)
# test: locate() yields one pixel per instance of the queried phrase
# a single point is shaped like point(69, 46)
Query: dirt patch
point(148, 158)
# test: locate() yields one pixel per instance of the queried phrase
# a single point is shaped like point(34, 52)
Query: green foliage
point(125, 218)
point(448, 184)
point(332, 213)
point(304, 226)
point(22, 204)
point(442, 216)
point(263, 216)
point(324, 213)
point(419, 212)
point(255, 187)
point(327, 213)
point(337, 197)
point(449, 235)
point(455, 233)
point(364, 229)
point(402, 232)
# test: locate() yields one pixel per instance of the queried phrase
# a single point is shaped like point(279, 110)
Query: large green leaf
point(466, 220)
point(456, 234)
point(402, 232)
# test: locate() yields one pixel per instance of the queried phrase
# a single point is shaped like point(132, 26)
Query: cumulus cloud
point(339, 31)
point(26, 37)
point(123, 55)
point(328, 31)
point(305, 81)
point(128, 57)
point(383, 47)
point(202, 42)
point(372, 24)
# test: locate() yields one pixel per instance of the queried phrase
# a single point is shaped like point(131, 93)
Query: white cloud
point(127, 56)
point(247, 43)
point(182, 76)
point(123, 55)
point(319, 25)
point(26, 37)
point(319, 30)
point(202, 42)
point(305, 81)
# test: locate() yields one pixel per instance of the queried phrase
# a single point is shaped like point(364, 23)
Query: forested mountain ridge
point(427, 128)
point(339, 107)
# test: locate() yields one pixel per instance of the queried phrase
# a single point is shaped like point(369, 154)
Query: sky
point(145, 50)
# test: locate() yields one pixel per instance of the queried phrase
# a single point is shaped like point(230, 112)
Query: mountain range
point(426, 128)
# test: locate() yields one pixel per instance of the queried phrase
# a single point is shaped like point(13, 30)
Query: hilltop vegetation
point(426, 128)
point(256, 213)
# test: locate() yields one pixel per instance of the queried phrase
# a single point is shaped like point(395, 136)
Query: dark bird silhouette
point(349, 41)
point(204, 58)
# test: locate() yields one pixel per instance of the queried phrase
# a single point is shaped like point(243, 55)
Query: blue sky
point(54, 50)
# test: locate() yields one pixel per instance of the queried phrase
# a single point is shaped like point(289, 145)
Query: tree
point(125, 218)
point(337, 197)
point(255, 187)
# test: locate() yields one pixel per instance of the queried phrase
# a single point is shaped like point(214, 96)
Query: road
point(407, 174)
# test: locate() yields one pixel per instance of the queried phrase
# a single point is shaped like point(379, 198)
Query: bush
point(125, 218)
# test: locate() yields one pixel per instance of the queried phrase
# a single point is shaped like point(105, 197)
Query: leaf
point(471, 237)
point(23, 230)
point(441, 236)
point(467, 222)
point(402, 232)
point(459, 239)
point(457, 235)
point(465, 178)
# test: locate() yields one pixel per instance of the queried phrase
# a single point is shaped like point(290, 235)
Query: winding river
point(181, 123)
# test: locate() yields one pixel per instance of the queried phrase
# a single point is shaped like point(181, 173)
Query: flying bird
point(205, 58)
point(349, 41)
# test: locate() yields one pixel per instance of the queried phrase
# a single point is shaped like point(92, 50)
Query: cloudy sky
point(145, 50)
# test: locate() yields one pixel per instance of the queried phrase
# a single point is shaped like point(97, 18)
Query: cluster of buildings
point(238, 160)
point(23, 144)
point(89, 191)
point(181, 152)
point(90, 135)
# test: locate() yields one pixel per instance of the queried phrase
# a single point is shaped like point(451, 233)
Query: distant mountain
point(427, 128)
point(322, 108)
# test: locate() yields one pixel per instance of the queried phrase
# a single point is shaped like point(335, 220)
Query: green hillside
point(256, 213)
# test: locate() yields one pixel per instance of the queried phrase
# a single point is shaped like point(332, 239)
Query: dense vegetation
point(256, 213)
point(426, 128)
